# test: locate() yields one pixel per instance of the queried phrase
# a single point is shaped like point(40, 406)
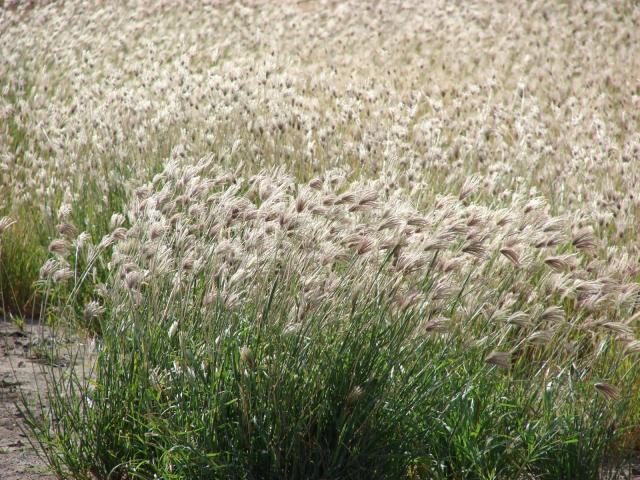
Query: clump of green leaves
point(358, 390)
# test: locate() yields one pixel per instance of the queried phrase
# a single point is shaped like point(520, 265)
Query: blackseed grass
point(352, 392)
point(326, 241)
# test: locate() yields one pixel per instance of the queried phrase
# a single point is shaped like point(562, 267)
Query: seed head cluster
point(492, 150)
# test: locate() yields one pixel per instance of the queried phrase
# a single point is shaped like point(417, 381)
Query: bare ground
point(20, 371)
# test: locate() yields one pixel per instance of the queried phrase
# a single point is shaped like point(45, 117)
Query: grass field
point(327, 240)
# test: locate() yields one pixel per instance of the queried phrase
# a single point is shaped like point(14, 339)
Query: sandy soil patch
point(20, 370)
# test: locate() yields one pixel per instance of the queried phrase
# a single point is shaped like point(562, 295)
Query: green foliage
point(24, 250)
point(353, 392)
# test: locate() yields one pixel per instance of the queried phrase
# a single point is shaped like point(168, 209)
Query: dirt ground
point(20, 370)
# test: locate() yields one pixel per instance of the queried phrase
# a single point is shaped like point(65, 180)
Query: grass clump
point(23, 253)
point(198, 388)
point(247, 331)
point(369, 241)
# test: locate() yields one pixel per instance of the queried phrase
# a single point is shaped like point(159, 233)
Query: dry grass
point(481, 160)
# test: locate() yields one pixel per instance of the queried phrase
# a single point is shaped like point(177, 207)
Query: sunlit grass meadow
point(326, 240)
